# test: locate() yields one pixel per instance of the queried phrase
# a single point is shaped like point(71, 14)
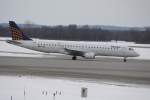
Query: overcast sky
point(81, 12)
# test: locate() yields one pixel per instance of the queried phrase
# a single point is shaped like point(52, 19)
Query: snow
point(40, 88)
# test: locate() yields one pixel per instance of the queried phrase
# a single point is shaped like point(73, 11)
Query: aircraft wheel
point(74, 58)
point(125, 59)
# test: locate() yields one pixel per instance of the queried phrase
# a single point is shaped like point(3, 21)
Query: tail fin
point(16, 32)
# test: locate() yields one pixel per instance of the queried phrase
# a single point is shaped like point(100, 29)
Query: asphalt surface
point(99, 68)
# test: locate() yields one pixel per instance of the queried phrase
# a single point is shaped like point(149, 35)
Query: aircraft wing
point(74, 52)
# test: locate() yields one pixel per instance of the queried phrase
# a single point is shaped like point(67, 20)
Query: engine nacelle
point(89, 55)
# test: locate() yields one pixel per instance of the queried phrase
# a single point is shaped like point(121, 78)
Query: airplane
point(85, 49)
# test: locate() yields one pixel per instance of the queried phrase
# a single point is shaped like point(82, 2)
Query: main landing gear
point(74, 58)
point(125, 59)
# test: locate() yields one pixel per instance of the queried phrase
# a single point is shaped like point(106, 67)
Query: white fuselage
point(59, 46)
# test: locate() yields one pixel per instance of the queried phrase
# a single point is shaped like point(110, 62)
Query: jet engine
point(89, 55)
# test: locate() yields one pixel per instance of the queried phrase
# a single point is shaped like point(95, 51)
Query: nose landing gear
point(125, 59)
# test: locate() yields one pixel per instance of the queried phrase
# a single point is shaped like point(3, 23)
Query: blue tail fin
point(16, 32)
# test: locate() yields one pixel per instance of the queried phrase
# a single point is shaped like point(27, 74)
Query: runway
point(100, 68)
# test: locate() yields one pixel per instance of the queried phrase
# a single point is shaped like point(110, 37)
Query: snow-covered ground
point(8, 49)
point(39, 88)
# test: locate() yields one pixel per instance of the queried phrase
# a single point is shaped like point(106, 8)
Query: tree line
point(83, 33)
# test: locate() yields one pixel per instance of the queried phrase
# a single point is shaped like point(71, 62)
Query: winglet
point(16, 32)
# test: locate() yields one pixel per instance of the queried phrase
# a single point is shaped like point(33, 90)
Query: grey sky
point(81, 12)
